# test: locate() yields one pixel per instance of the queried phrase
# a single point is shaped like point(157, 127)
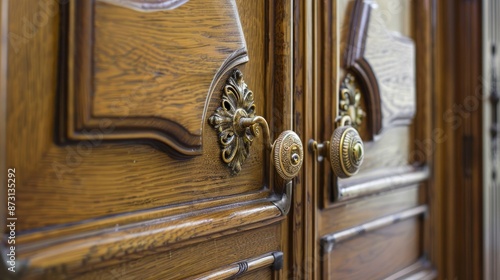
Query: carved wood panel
point(385, 63)
point(90, 203)
point(370, 224)
point(148, 75)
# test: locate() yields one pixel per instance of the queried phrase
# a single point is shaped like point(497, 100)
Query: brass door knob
point(288, 154)
point(345, 150)
point(237, 126)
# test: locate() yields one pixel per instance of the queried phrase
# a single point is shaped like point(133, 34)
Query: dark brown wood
point(458, 171)
point(305, 92)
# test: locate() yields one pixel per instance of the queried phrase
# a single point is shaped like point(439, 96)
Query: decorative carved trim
point(237, 102)
point(329, 241)
point(147, 5)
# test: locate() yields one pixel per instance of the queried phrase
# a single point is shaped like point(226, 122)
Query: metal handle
point(237, 125)
point(345, 149)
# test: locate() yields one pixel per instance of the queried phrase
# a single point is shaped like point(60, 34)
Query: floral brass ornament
point(237, 102)
point(350, 99)
point(237, 125)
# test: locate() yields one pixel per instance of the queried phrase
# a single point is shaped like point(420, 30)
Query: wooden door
point(373, 66)
point(133, 139)
point(118, 126)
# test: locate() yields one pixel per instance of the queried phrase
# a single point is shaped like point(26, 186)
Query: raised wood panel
point(191, 260)
point(353, 213)
point(98, 249)
point(373, 255)
point(83, 175)
point(130, 197)
point(385, 63)
point(148, 81)
point(391, 150)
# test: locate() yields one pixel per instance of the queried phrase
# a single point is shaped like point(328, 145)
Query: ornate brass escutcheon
point(350, 99)
point(237, 125)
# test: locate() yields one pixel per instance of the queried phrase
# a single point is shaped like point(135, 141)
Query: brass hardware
point(345, 149)
point(237, 125)
point(350, 99)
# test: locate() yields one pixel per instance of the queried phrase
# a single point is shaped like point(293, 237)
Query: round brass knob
point(346, 151)
point(288, 154)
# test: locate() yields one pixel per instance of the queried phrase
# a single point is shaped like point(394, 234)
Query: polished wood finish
point(392, 181)
point(419, 270)
point(385, 64)
point(95, 203)
point(121, 80)
point(350, 214)
point(104, 108)
point(329, 241)
point(457, 62)
point(371, 256)
point(236, 270)
point(191, 260)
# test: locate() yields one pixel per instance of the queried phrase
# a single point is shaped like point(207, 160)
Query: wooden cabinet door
point(118, 122)
point(376, 73)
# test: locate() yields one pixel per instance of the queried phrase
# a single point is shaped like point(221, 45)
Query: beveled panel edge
point(330, 240)
point(147, 5)
point(93, 250)
point(273, 260)
point(420, 270)
point(381, 182)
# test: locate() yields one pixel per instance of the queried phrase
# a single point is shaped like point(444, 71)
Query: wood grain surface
point(149, 81)
point(116, 178)
point(372, 256)
point(353, 213)
point(193, 259)
point(91, 203)
point(385, 62)
point(120, 176)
